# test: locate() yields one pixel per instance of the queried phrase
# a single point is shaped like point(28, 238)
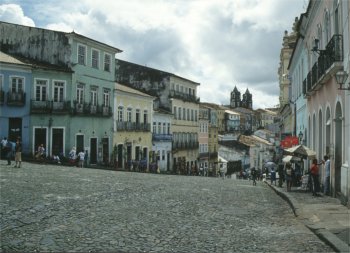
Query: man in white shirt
point(327, 166)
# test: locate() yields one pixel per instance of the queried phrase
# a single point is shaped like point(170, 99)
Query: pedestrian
point(9, 152)
point(288, 174)
point(253, 173)
point(81, 156)
point(280, 175)
point(86, 158)
point(3, 147)
point(72, 156)
point(41, 152)
point(18, 155)
point(327, 166)
point(273, 176)
point(314, 170)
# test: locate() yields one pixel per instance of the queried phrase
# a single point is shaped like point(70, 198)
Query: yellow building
point(185, 107)
point(132, 140)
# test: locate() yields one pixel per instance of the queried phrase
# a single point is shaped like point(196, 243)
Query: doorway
point(105, 151)
point(40, 135)
point(15, 129)
point(57, 141)
point(93, 151)
point(80, 142)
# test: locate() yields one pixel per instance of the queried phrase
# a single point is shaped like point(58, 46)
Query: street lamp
point(341, 77)
point(300, 135)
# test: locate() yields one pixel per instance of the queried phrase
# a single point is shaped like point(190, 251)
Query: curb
point(326, 236)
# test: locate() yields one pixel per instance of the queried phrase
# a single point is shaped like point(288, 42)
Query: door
point(120, 156)
point(105, 151)
point(15, 129)
point(80, 143)
point(39, 138)
point(93, 151)
point(57, 141)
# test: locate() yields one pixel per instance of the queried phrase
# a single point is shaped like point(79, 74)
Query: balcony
point(184, 96)
point(88, 109)
point(162, 137)
point(133, 126)
point(40, 107)
point(60, 107)
point(16, 98)
point(183, 145)
point(328, 63)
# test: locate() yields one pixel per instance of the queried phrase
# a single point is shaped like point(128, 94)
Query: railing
point(43, 107)
point(16, 98)
point(88, 109)
point(162, 137)
point(185, 145)
point(133, 126)
point(183, 96)
point(40, 107)
point(325, 66)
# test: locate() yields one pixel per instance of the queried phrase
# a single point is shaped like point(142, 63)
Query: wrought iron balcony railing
point(183, 96)
point(16, 98)
point(133, 126)
point(88, 109)
point(162, 137)
point(325, 66)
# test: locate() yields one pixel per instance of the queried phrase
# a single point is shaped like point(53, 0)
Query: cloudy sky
point(217, 43)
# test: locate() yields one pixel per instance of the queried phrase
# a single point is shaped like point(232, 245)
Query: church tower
point(235, 100)
point(247, 101)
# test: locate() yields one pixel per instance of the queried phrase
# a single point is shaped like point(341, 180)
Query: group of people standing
point(8, 149)
point(313, 176)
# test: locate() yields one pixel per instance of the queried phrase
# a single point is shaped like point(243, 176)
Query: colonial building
point(82, 93)
point(322, 55)
point(176, 95)
point(133, 114)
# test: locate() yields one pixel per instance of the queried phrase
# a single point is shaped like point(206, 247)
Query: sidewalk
point(325, 216)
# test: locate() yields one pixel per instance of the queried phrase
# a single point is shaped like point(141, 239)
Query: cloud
point(13, 13)
point(218, 44)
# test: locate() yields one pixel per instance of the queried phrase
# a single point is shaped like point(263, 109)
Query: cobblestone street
point(57, 208)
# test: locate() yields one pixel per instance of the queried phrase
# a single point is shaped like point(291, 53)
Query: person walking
point(327, 166)
point(9, 152)
point(72, 156)
point(18, 155)
point(288, 172)
point(81, 156)
point(3, 148)
point(314, 170)
point(273, 176)
point(253, 173)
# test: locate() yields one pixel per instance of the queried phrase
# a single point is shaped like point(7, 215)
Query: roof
point(232, 112)
point(252, 140)
point(20, 60)
point(124, 88)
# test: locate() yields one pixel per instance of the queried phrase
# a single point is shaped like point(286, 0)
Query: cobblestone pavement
point(56, 208)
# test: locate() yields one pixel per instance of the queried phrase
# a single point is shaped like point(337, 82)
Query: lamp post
point(300, 135)
point(341, 77)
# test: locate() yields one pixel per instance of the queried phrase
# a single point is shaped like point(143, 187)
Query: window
point(164, 128)
point(95, 55)
point(120, 113)
point(93, 96)
point(80, 93)
point(155, 127)
point(188, 114)
point(17, 84)
point(195, 115)
point(168, 128)
point(163, 155)
point(107, 63)
point(179, 113)
point(81, 54)
point(159, 127)
point(145, 117)
point(129, 115)
point(175, 113)
point(58, 91)
point(106, 96)
point(184, 113)
point(137, 119)
point(41, 90)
